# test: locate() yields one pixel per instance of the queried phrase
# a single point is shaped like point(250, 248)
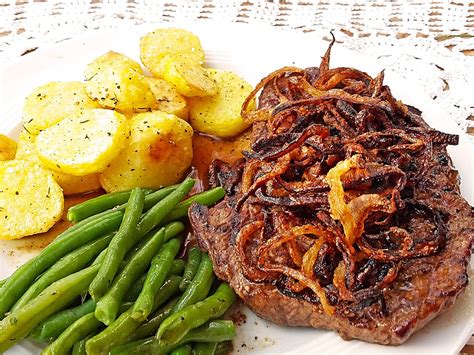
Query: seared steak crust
point(395, 288)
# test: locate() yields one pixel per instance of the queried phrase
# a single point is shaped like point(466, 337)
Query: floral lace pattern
point(426, 40)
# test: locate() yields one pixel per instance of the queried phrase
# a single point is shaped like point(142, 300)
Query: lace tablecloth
point(430, 41)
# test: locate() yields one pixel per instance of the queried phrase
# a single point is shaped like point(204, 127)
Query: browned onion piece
point(443, 138)
point(294, 200)
point(297, 139)
point(337, 94)
point(272, 171)
point(331, 78)
point(245, 113)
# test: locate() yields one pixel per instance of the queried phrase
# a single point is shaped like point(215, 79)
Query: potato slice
point(83, 144)
point(219, 115)
point(7, 148)
point(159, 152)
point(157, 45)
point(50, 103)
point(70, 184)
point(116, 81)
point(73, 185)
point(169, 100)
point(30, 200)
point(188, 78)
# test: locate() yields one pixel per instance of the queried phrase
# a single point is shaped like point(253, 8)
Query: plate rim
point(47, 48)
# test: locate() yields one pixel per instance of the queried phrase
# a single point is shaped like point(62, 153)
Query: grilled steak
point(345, 214)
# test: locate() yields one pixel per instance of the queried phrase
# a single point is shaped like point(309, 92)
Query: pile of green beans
point(114, 282)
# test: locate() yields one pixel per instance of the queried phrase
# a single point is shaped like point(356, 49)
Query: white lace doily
point(426, 40)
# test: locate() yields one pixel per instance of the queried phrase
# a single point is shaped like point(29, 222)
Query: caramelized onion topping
point(337, 162)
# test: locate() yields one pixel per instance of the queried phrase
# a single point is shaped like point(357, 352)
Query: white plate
point(251, 52)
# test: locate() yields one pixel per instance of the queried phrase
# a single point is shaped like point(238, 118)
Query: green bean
point(159, 211)
point(194, 258)
point(214, 331)
point(173, 329)
point(68, 264)
point(119, 330)
point(3, 282)
point(100, 258)
point(199, 286)
point(78, 330)
point(171, 230)
point(153, 323)
point(178, 267)
point(150, 200)
point(182, 350)
point(80, 347)
point(107, 307)
point(206, 198)
point(120, 244)
point(18, 324)
point(159, 269)
point(134, 291)
point(100, 204)
point(204, 348)
point(79, 234)
point(52, 327)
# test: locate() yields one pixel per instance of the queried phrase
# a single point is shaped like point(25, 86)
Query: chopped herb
point(26, 129)
point(90, 78)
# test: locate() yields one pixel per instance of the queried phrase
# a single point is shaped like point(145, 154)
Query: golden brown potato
point(7, 148)
point(50, 103)
point(169, 100)
point(84, 144)
point(189, 78)
point(158, 153)
point(30, 200)
point(219, 115)
point(117, 82)
point(157, 45)
point(70, 184)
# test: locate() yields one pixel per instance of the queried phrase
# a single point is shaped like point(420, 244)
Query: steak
point(345, 214)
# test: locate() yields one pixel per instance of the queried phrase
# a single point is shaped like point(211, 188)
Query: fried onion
point(342, 160)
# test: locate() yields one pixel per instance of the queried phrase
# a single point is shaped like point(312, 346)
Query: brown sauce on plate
point(207, 148)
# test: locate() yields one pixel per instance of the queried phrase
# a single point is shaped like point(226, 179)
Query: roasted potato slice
point(7, 148)
point(50, 103)
point(73, 185)
point(158, 153)
point(30, 200)
point(157, 45)
point(70, 184)
point(219, 115)
point(83, 144)
point(116, 81)
point(26, 147)
point(169, 100)
point(189, 79)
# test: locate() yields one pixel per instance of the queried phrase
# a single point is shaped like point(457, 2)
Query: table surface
point(431, 40)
